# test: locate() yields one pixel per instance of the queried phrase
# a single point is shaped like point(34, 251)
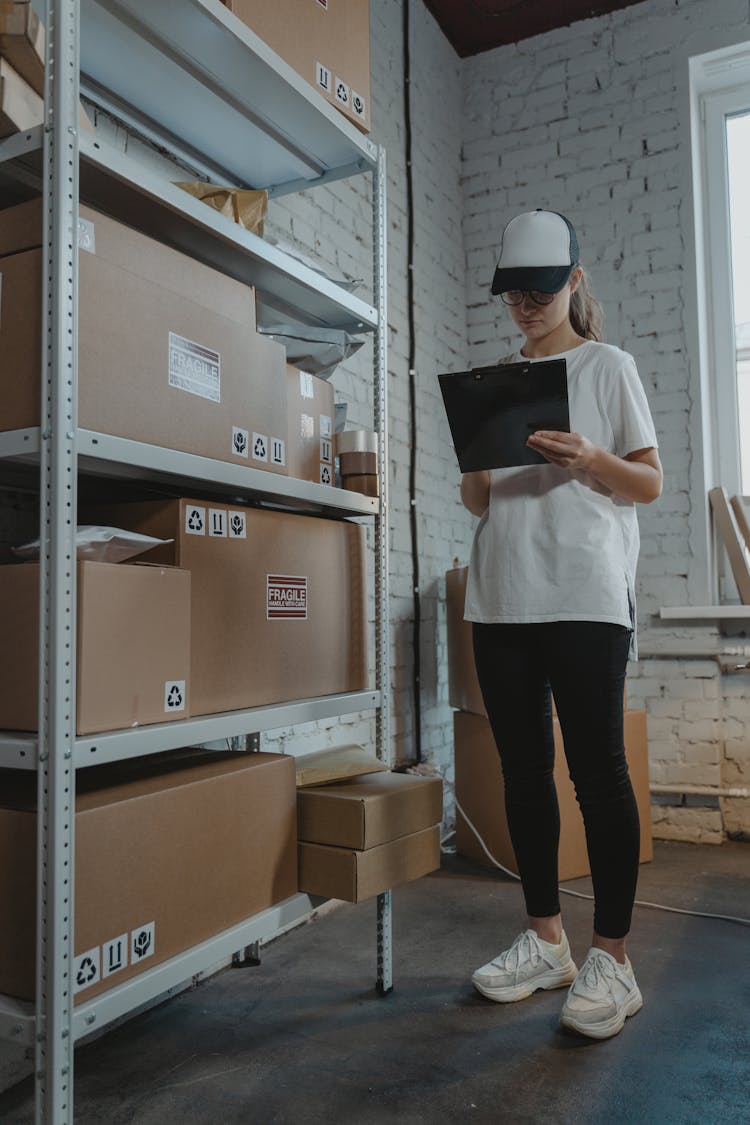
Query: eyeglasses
point(516, 296)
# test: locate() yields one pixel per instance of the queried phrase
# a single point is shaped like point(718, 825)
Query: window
point(720, 126)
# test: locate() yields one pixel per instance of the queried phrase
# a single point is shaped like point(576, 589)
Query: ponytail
point(586, 314)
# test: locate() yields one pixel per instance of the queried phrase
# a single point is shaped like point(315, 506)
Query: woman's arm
point(637, 477)
point(475, 492)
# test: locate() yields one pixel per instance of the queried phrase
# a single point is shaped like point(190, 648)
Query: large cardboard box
point(311, 411)
point(463, 685)
point(133, 646)
point(353, 875)
point(165, 857)
point(481, 793)
point(326, 41)
point(167, 348)
point(279, 606)
point(368, 811)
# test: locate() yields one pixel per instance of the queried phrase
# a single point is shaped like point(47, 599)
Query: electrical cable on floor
point(579, 894)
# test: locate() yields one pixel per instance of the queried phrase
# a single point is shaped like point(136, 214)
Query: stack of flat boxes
point(479, 779)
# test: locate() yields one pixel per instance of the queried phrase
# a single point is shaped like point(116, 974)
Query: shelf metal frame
point(208, 61)
point(19, 751)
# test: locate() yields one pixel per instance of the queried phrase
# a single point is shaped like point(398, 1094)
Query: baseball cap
point(539, 250)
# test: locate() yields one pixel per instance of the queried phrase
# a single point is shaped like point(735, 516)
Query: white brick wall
point(591, 120)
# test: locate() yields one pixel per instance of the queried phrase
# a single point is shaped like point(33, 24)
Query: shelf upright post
point(57, 633)
point(384, 982)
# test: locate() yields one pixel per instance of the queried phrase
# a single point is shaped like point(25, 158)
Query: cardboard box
point(165, 857)
point(310, 445)
point(340, 762)
point(357, 875)
point(133, 636)
point(326, 41)
point(481, 793)
point(20, 107)
point(368, 811)
point(279, 603)
point(167, 348)
point(463, 685)
point(22, 43)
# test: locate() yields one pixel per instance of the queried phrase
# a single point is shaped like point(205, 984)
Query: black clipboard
point(493, 410)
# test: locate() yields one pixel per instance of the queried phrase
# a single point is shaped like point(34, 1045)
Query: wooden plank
point(731, 537)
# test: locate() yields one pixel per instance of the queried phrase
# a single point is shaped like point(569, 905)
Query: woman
point(551, 596)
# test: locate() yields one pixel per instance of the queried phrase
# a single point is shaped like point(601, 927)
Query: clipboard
point(493, 410)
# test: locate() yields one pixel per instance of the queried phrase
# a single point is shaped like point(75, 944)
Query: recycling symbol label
point(174, 696)
point(143, 942)
point(325, 474)
point(342, 92)
point(240, 441)
point(195, 520)
point(358, 104)
point(86, 969)
point(260, 447)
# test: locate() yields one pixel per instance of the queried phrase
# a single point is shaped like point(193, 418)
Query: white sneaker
point(529, 964)
point(601, 997)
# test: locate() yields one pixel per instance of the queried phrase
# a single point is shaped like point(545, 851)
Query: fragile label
point(326, 426)
point(115, 955)
point(194, 369)
point(323, 77)
point(359, 105)
point(195, 520)
point(217, 522)
point(142, 942)
point(86, 969)
point(306, 427)
point(174, 696)
point(237, 525)
point(306, 388)
point(286, 596)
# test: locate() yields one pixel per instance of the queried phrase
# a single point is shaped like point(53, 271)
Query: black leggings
point(584, 663)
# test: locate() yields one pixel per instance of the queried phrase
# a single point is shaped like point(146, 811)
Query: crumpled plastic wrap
point(317, 350)
point(100, 544)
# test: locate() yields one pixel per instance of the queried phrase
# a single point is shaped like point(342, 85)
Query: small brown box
point(20, 107)
point(481, 793)
point(357, 875)
point(367, 811)
point(22, 43)
point(166, 856)
point(133, 636)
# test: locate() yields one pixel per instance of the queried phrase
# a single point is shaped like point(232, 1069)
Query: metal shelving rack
point(189, 76)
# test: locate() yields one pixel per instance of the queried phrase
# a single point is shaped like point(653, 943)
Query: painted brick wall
point(591, 120)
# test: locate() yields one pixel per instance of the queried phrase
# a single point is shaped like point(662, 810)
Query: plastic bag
point(242, 205)
point(317, 350)
point(350, 284)
point(100, 544)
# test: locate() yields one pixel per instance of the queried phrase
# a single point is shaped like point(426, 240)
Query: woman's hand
point(637, 477)
point(570, 451)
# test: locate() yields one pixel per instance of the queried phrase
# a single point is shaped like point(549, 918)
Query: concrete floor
point(304, 1039)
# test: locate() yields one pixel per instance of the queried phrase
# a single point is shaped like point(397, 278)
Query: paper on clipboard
point(493, 410)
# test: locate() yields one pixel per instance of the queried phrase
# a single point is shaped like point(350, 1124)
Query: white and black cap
point(539, 250)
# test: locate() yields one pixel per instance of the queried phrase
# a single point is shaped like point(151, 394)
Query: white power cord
point(579, 894)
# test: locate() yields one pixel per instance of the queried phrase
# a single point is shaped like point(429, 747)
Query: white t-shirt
point(555, 544)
